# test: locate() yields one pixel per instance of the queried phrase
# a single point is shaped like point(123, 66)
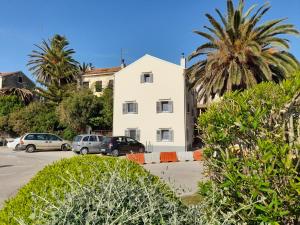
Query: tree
point(240, 53)
point(8, 104)
point(53, 63)
point(25, 95)
point(105, 120)
point(79, 110)
point(36, 117)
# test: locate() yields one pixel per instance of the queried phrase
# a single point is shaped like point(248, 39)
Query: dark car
point(121, 145)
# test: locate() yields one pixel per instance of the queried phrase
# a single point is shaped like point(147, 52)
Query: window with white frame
point(164, 106)
point(133, 133)
point(130, 108)
point(98, 86)
point(147, 77)
point(165, 135)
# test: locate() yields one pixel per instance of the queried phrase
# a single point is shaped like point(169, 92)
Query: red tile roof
point(103, 71)
point(3, 74)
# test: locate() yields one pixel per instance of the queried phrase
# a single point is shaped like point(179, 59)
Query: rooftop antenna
point(122, 59)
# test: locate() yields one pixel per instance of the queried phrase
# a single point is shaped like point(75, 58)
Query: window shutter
point(170, 106)
point(127, 133)
point(158, 107)
point(151, 78)
point(124, 108)
point(135, 107)
point(158, 135)
point(142, 78)
point(171, 138)
point(138, 132)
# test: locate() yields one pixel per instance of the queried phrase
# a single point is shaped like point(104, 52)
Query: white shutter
point(135, 107)
point(127, 133)
point(138, 134)
point(158, 135)
point(151, 77)
point(171, 137)
point(158, 107)
point(170, 106)
point(142, 78)
point(125, 110)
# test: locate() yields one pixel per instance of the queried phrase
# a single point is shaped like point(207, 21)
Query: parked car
point(121, 145)
point(87, 143)
point(42, 141)
point(14, 143)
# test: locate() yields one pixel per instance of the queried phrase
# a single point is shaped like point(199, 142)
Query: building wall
point(1, 82)
point(168, 83)
point(92, 81)
point(12, 81)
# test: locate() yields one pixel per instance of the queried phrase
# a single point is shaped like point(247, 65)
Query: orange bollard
point(138, 158)
point(198, 155)
point(168, 157)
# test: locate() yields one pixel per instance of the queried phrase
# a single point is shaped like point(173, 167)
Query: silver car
point(87, 143)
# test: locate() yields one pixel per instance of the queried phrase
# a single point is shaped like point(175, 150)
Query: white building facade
point(152, 104)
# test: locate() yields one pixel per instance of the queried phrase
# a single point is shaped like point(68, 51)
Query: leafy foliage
point(36, 117)
point(78, 110)
point(240, 52)
point(247, 156)
point(54, 181)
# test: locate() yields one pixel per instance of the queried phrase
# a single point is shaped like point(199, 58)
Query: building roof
point(102, 71)
point(4, 74)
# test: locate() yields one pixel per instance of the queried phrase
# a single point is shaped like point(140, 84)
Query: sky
point(98, 29)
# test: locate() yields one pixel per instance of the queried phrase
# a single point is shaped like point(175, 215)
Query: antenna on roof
point(122, 59)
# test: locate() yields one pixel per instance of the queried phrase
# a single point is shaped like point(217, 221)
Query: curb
point(165, 157)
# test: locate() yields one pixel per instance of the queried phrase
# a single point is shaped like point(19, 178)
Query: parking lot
point(17, 168)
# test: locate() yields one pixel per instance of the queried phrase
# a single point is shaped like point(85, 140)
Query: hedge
point(53, 182)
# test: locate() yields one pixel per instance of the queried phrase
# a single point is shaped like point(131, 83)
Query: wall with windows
point(97, 83)
point(149, 104)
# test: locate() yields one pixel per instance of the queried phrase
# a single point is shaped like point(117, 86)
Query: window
point(41, 137)
point(100, 138)
point(188, 108)
point(165, 135)
point(86, 138)
point(20, 79)
point(121, 140)
point(98, 86)
point(130, 108)
point(85, 84)
point(93, 139)
point(133, 133)
point(110, 83)
point(52, 137)
point(147, 78)
point(131, 141)
point(30, 137)
point(164, 107)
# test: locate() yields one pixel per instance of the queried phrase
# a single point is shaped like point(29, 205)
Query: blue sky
point(98, 29)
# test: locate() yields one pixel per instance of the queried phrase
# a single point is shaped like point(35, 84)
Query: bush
point(36, 117)
point(53, 182)
point(256, 172)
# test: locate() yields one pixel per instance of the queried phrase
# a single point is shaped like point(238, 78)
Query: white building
point(153, 105)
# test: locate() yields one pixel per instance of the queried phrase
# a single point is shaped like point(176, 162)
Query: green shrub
point(256, 172)
point(115, 199)
point(53, 182)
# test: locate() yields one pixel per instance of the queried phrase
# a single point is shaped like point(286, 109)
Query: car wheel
point(84, 151)
point(141, 150)
point(115, 153)
point(17, 148)
point(65, 147)
point(30, 148)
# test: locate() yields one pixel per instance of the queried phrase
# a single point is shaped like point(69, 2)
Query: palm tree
point(82, 69)
point(23, 94)
point(53, 62)
point(240, 53)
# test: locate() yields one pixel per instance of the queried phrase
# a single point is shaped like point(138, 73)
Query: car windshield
point(77, 138)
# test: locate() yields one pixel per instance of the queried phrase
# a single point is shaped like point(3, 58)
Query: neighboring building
point(98, 79)
point(15, 80)
point(153, 105)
